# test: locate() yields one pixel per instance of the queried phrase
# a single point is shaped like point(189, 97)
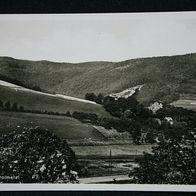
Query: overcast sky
point(105, 37)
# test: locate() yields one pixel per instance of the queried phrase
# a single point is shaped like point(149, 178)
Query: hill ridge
point(96, 61)
point(165, 78)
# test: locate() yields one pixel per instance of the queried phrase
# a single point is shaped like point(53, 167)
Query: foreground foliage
point(35, 156)
point(171, 162)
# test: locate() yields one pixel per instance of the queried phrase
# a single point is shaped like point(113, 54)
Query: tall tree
point(15, 107)
point(100, 98)
point(7, 105)
point(1, 104)
point(90, 96)
point(21, 108)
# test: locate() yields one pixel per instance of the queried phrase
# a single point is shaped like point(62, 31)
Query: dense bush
point(15, 107)
point(34, 155)
point(36, 88)
point(11, 107)
point(85, 116)
point(171, 162)
point(21, 108)
point(117, 107)
point(1, 104)
point(92, 97)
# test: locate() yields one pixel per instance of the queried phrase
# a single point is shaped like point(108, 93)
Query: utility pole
point(110, 161)
point(135, 154)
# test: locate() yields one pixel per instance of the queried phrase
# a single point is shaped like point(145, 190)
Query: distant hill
point(163, 78)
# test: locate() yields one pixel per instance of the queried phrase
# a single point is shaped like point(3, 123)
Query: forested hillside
point(164, 78)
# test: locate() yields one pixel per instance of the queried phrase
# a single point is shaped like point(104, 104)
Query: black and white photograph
point(98, 98)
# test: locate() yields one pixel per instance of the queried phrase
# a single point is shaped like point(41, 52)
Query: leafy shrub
point(171, 162)
point(34, 155)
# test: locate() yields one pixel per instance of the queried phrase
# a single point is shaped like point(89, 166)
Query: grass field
point(189, 104)
point(102, 167)
point(127, 150)
point(65, 127)
point(98, 162)
point(34, 100)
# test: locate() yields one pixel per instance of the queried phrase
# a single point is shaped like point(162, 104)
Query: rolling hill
point(64, 127)
point(38, 101)
point(163, 78)
point(31, 100)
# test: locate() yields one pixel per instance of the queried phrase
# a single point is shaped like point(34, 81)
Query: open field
point(189, 104)
point(98, 162)
point(103, 167)
point(34, 100)
point(127, 150)
point(62, 126)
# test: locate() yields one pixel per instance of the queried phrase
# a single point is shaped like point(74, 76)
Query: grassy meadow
point(34, 100)
point(65, 127)
point(117, 151)
point(99, 163)
point(189, 104)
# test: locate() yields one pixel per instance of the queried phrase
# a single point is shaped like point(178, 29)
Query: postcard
point(98, 101)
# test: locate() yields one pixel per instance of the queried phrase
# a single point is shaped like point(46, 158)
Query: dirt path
point(104, 179)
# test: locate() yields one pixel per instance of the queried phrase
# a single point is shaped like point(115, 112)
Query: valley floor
point(97, 161)
point(103, 151)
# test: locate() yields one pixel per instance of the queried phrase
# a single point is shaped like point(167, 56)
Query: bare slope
point(34, 100)
point(164, 78)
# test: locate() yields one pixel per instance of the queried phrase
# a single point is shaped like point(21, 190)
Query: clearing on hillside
point(189, 104)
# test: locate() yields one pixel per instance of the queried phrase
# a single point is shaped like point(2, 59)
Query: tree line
point(17, 82)
point(10, 107)
point(139, 121)
point(173, 159)
point(82, 116)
